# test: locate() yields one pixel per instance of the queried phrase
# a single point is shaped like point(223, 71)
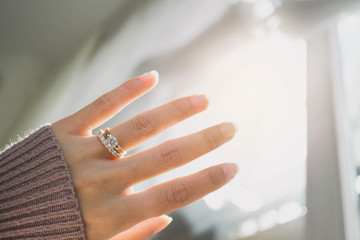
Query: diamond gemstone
point(112, 141)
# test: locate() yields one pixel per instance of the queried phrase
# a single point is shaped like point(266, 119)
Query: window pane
point(348, 31)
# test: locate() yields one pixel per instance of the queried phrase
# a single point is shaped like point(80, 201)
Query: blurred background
point(287, 72)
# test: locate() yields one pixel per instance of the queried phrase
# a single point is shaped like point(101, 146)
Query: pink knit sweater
point(37, 198)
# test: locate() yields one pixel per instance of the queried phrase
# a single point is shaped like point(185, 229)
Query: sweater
point(37, 198)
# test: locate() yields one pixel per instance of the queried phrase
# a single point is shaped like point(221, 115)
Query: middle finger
point(177, 152)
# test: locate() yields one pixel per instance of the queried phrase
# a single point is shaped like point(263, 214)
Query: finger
point(146, 125)
point(177, 152)
point(111, 102)
point(172, 195)
point(145, 229)
point(129, 190)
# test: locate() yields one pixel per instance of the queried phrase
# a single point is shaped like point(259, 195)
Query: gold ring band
point(111, 143)
point(117, 148)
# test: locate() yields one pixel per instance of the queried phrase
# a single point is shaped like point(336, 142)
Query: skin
point(109, 207)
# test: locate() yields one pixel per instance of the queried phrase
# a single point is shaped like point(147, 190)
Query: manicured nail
point(147, 77)
point(170, 219)
point(230, 170)
point(155, 74)
point(228, 130)
point(162, 227)
point(198, 101)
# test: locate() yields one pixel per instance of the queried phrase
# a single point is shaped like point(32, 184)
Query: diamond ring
point(111, 143)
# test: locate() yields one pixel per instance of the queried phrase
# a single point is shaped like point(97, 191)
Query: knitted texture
point(37, 198)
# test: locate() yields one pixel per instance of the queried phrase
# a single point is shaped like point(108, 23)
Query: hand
point(103, 183)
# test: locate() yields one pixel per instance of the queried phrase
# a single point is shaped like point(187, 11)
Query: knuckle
point(90, 183)
point(87, 186)
point(129, 86)
point(211, 140)
point(182, 107)
point(215, 178)
point(169, 155)
point(143, 125)
point(178, 195)
point(103, 102)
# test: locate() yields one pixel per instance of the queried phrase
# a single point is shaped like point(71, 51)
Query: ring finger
point(138, 129)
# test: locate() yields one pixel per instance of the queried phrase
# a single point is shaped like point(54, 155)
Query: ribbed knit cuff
point(37, 198)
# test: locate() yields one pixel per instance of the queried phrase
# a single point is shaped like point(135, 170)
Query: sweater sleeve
point(37, 198)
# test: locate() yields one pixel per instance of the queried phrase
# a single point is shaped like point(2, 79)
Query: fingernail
point(155, 74)
point(228, 130)
point(162, 227)
point(147, 77)
point(198, 101)
point(170, 219)
point(230, 170)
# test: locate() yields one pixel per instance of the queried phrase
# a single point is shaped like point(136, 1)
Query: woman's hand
point(103, 183)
